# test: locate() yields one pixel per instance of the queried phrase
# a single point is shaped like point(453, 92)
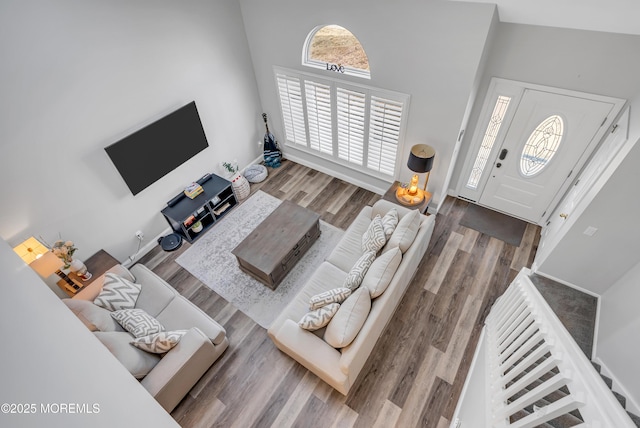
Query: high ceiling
point(613, 16)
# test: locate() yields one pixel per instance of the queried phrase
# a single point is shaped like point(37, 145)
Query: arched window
point(334, 48)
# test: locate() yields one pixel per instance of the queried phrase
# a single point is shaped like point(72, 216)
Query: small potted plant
point(197, 227)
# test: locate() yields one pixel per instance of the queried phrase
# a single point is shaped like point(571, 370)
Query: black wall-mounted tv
point(150, 153)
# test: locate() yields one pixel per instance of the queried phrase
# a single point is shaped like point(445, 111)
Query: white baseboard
point(145, 249)
point(333, 173)
point(632, 405)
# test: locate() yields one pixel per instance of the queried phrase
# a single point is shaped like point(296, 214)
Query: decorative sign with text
point(338, 68)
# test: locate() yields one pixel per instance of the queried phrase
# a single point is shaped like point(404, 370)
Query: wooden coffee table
point(275, 246)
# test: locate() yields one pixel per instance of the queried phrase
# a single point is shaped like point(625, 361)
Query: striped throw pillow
point(317, 319)
point(337, 295)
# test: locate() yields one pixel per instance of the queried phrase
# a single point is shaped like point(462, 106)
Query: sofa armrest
point(312, 352)
point(179, 370)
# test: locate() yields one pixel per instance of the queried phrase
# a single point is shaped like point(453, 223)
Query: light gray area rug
point(210, 260)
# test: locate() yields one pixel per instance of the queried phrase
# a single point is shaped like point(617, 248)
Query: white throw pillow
point(358, 271)
point(137, 322)
point(347, 322)
point(93, 316)
point(336, 295)
point(389, 222)
point(374, 239)
point(159, 343)
point(405, 232)
point(117, 293)
point(317, 319)
point(381, 272)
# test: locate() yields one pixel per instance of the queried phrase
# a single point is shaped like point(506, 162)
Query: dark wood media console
point(216, 200)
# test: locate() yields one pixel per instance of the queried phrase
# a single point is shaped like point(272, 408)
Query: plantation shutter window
point(351, 107)
point(292, 111)
point(384, 134)
point(352, 125)
point(319, 116)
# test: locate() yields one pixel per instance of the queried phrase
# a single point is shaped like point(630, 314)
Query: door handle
point(498, 165)
point(503, 154)
point(564, 216)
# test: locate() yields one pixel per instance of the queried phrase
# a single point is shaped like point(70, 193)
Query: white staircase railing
point(536, 372)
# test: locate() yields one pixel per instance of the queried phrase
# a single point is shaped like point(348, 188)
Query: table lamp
point(47, 264)
point(420, 161)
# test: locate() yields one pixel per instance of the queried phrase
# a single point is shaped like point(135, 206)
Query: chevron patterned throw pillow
point(374, 238)
point(159, 343)
point(319, 318)
point(117, 293)
point(137, 322)
point(337, 295)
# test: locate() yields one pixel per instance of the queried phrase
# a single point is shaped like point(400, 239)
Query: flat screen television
point(152, 152)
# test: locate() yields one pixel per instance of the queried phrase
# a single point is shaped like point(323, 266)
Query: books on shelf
point(222, 209)
point(193, 190)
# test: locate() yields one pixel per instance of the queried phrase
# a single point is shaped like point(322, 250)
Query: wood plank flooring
point(416, 372)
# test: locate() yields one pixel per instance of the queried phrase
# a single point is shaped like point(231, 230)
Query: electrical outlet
point(139, 235)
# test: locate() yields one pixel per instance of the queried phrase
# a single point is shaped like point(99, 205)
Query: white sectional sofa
point(341, 367)
point(168, 377)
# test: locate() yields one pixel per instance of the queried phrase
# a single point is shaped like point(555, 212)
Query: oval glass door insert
point(541, 146)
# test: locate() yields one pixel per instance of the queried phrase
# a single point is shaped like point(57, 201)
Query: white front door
point(529, 143)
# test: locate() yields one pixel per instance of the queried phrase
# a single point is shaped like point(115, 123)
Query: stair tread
point(621, 399)
point(634, 418)
point(607, 380)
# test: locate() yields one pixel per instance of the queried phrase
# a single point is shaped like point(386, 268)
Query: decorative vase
point(76, 266)
point(240, 186)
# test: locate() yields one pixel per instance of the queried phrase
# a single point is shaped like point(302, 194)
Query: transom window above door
point(334, 48)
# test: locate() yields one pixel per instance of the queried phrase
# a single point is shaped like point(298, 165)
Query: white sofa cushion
point(349, 249)
point(117, 293)
point(381, 272)
point(347, 322)
point(335, 295)
point(93, 316)
point(318, 318)
point(159, 343)
point(136, 361)
point(137, 322)
point(359, 270)
point(405, 232)
point(374, 238)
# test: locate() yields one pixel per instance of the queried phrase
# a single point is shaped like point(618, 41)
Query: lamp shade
point(30, 250)
point(421, 158)
point(47, 264)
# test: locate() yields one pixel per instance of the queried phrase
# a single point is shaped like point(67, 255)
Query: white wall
point(49, 357)
point(79, 75)
point(429, 50)
point(586, 61)
point(618, 346)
